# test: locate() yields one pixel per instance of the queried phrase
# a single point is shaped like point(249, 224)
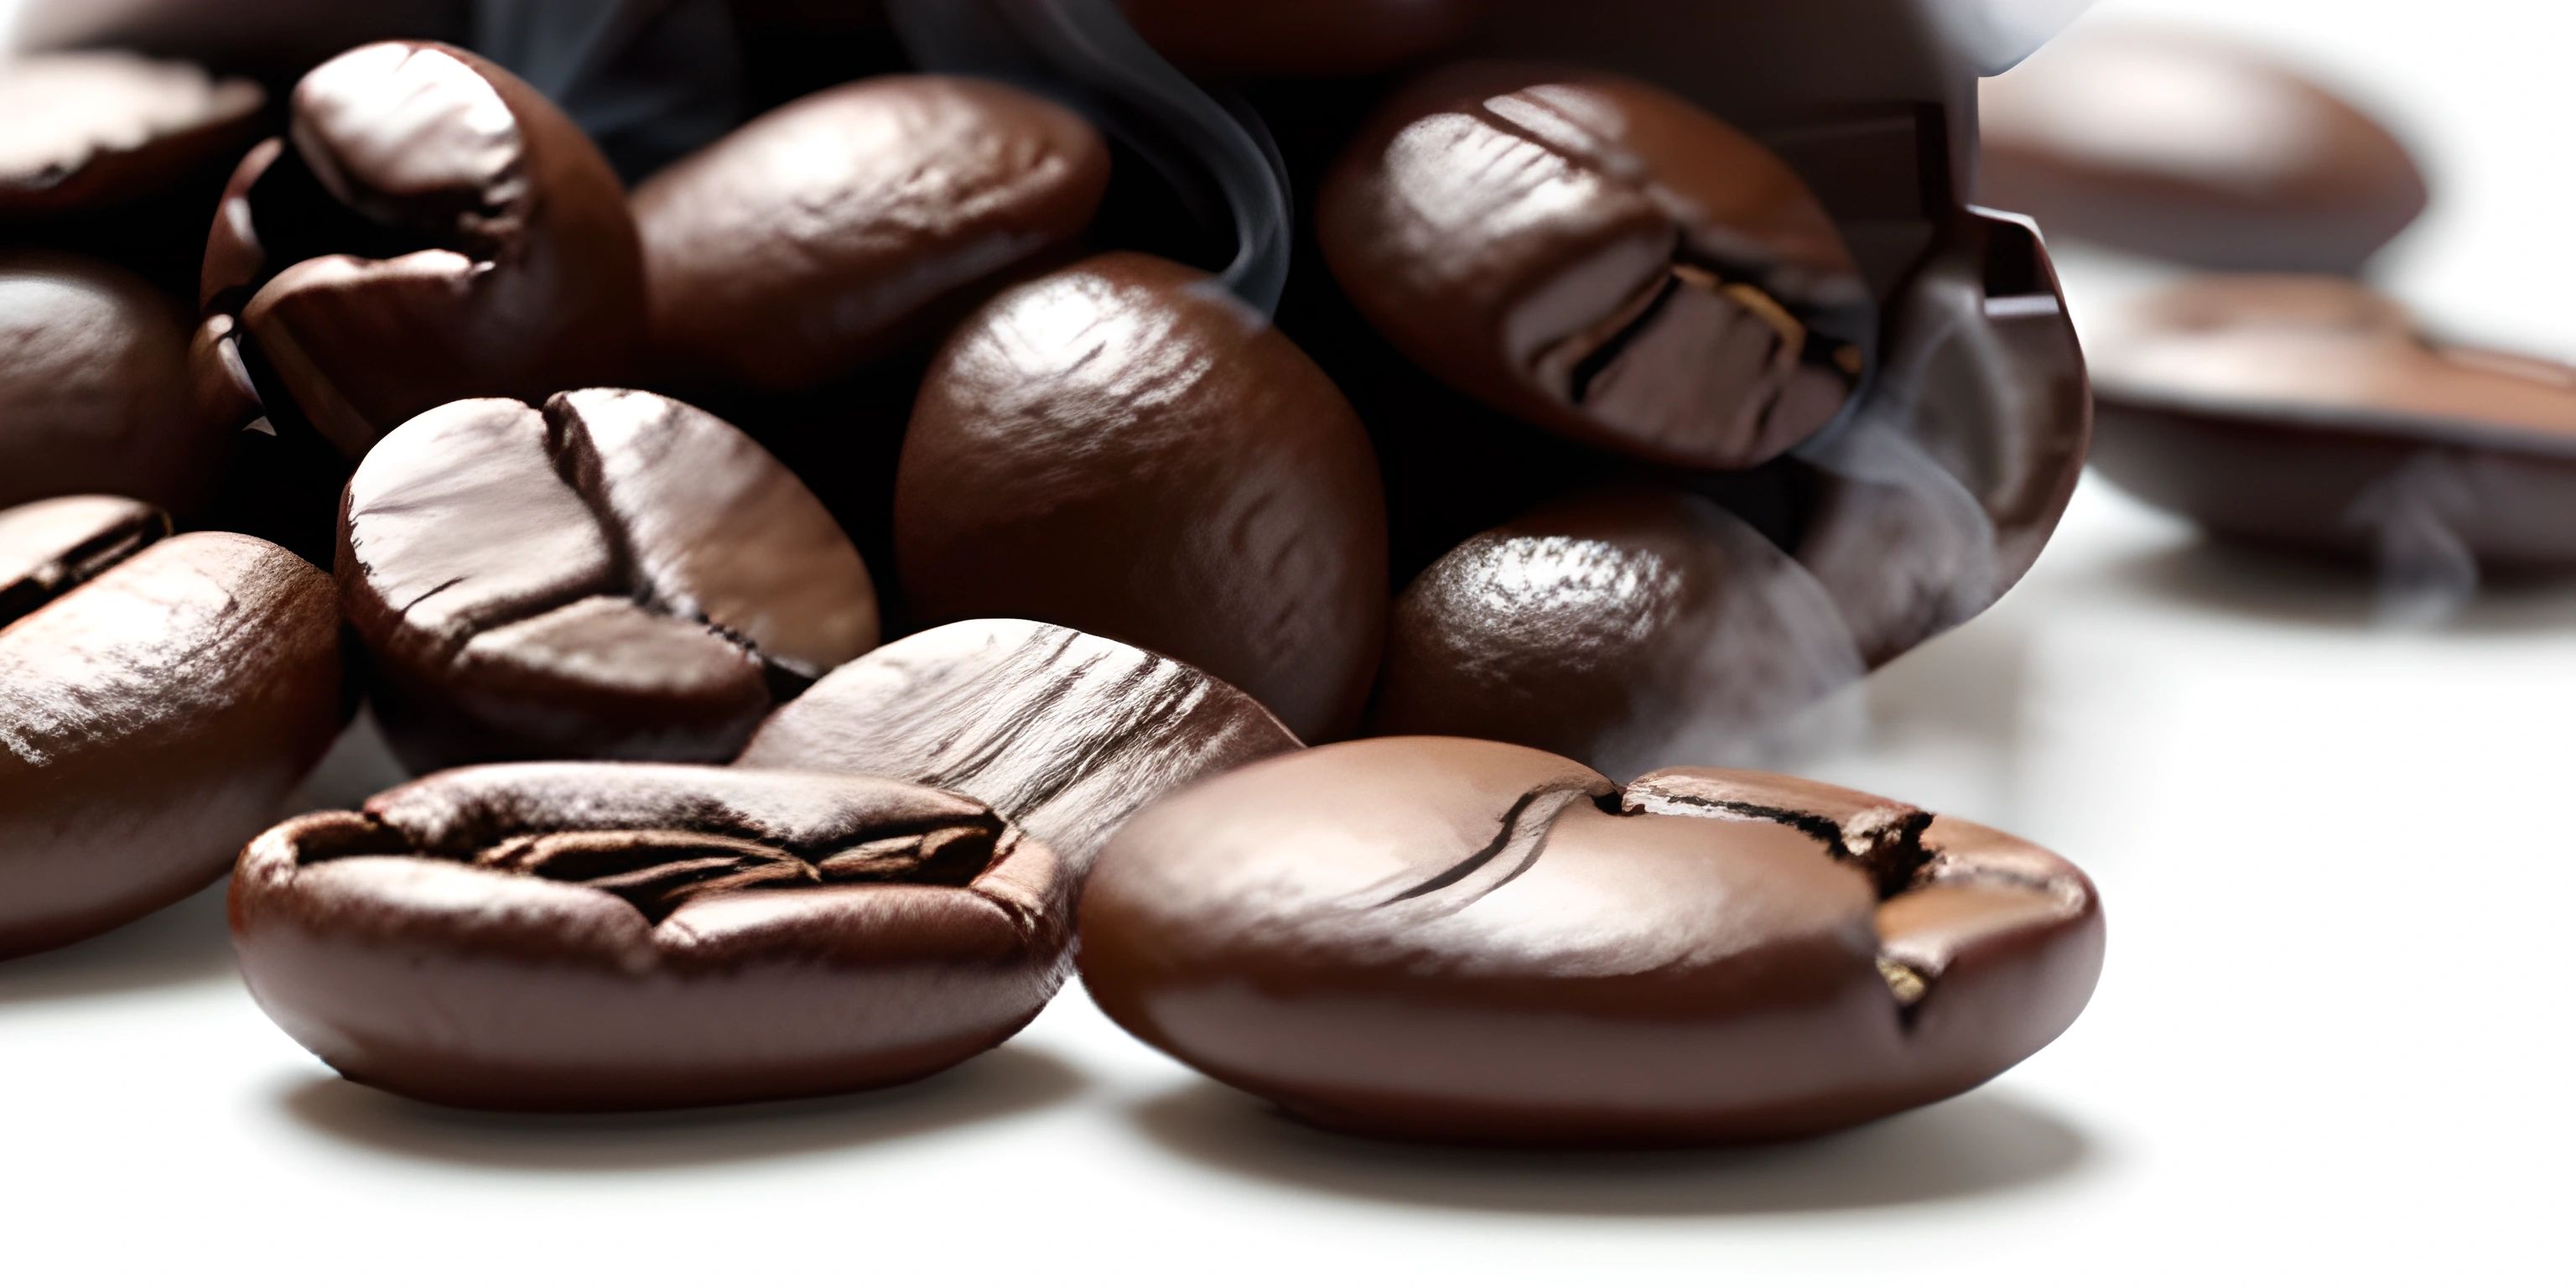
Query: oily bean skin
point(94, 383)
point(431, 229)
point(592, 937)
point(1120, 448)
point(1066, 734)
point(159, 697)
point(1626, 628)
point(617, 576)
point(1289, 38)
point(1473, 942)
point(1602, 259)
point(93, 130)
point(2312, 414)
point(802, 245)
point(2186, 148)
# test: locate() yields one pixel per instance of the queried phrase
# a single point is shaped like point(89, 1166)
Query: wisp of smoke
point(2426, 573)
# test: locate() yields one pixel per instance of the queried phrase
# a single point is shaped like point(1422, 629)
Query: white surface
point(2326, 1049)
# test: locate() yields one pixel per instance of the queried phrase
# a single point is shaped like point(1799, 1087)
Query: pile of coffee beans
point(843, 503)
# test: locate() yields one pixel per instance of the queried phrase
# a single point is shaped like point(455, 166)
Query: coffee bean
point(2312, 414)
point(1065, 734)
point(94, 387)
point(260, 37)
point(97, 129)
point(1601, 258)
point(1309, 38)
point(1467, 941)
point(1121, 448)
point(617, 576)
point(430, 229)
point(159, 696)
point(2189, 148)
point(804, 244)
point(586, 936)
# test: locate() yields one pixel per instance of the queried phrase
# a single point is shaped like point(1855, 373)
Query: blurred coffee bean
point(615, 577)
point(585, 937)
point(1063, 733)
point(94, 130)
point(2313, 414)
point(1122, 448)
point(269, 38)
point(430, 230)
point(159, 697)
point(94, 393)
point(1472, 942)
point(1601, 258)
point(802, 245)
point(2188, 148)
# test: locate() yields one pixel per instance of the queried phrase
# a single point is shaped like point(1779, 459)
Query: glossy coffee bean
point(98, 129)
point(1473, 942)
point(94, 387)
point(429, 230)
point(804, 244)
point(1121, 448)
point(587, 936)
point(1313, 38)
point(618, 576)
point(1063, 733)
point(2313, 414)
point(2188, 148)
point(1627, 628)
point(1599, 257)
point(159, 697)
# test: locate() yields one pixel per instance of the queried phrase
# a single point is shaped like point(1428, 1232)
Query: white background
point(2328, 1047)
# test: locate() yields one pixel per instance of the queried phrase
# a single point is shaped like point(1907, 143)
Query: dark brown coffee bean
point(619, 576)
point(804, 244)
point(2311, 413)
point(585, 936)
point(94, 387)
point(431, 230)
point(98, 129)
point(159, 696)
point(1627, 628)
point(1601, 258)
point(2189, 148)
point(1313, 38)
point(1065, 734)
point(1121, 448)
point(1467, 941)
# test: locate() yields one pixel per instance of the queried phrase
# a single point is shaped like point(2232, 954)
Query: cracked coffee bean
point(429, 229)
point(98, 129)
point(94, 387)
point(1625, 628)
point(159, 697)
point(2313, 414)
point(1602, 259)
point(1263, 38)
point(1065, 734)
point(1122, 448)
point(617, 577)
point(588, 936)
point(2186, 148)
point(801, 246)
point(1467, 941)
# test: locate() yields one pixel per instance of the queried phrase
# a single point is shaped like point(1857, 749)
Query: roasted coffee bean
point(1627, 629)
point(1308, 38)
point(2313, 414)
point(2188, 148)
point(1601, 258)
point(1065, 734)
point(429, 230)
point(804, 244)
point(586, 936)
point(159, 696)
point(1467, 941)
point(98, 129)
point(1121, 448)
point(94, 387)
point(618, 576)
